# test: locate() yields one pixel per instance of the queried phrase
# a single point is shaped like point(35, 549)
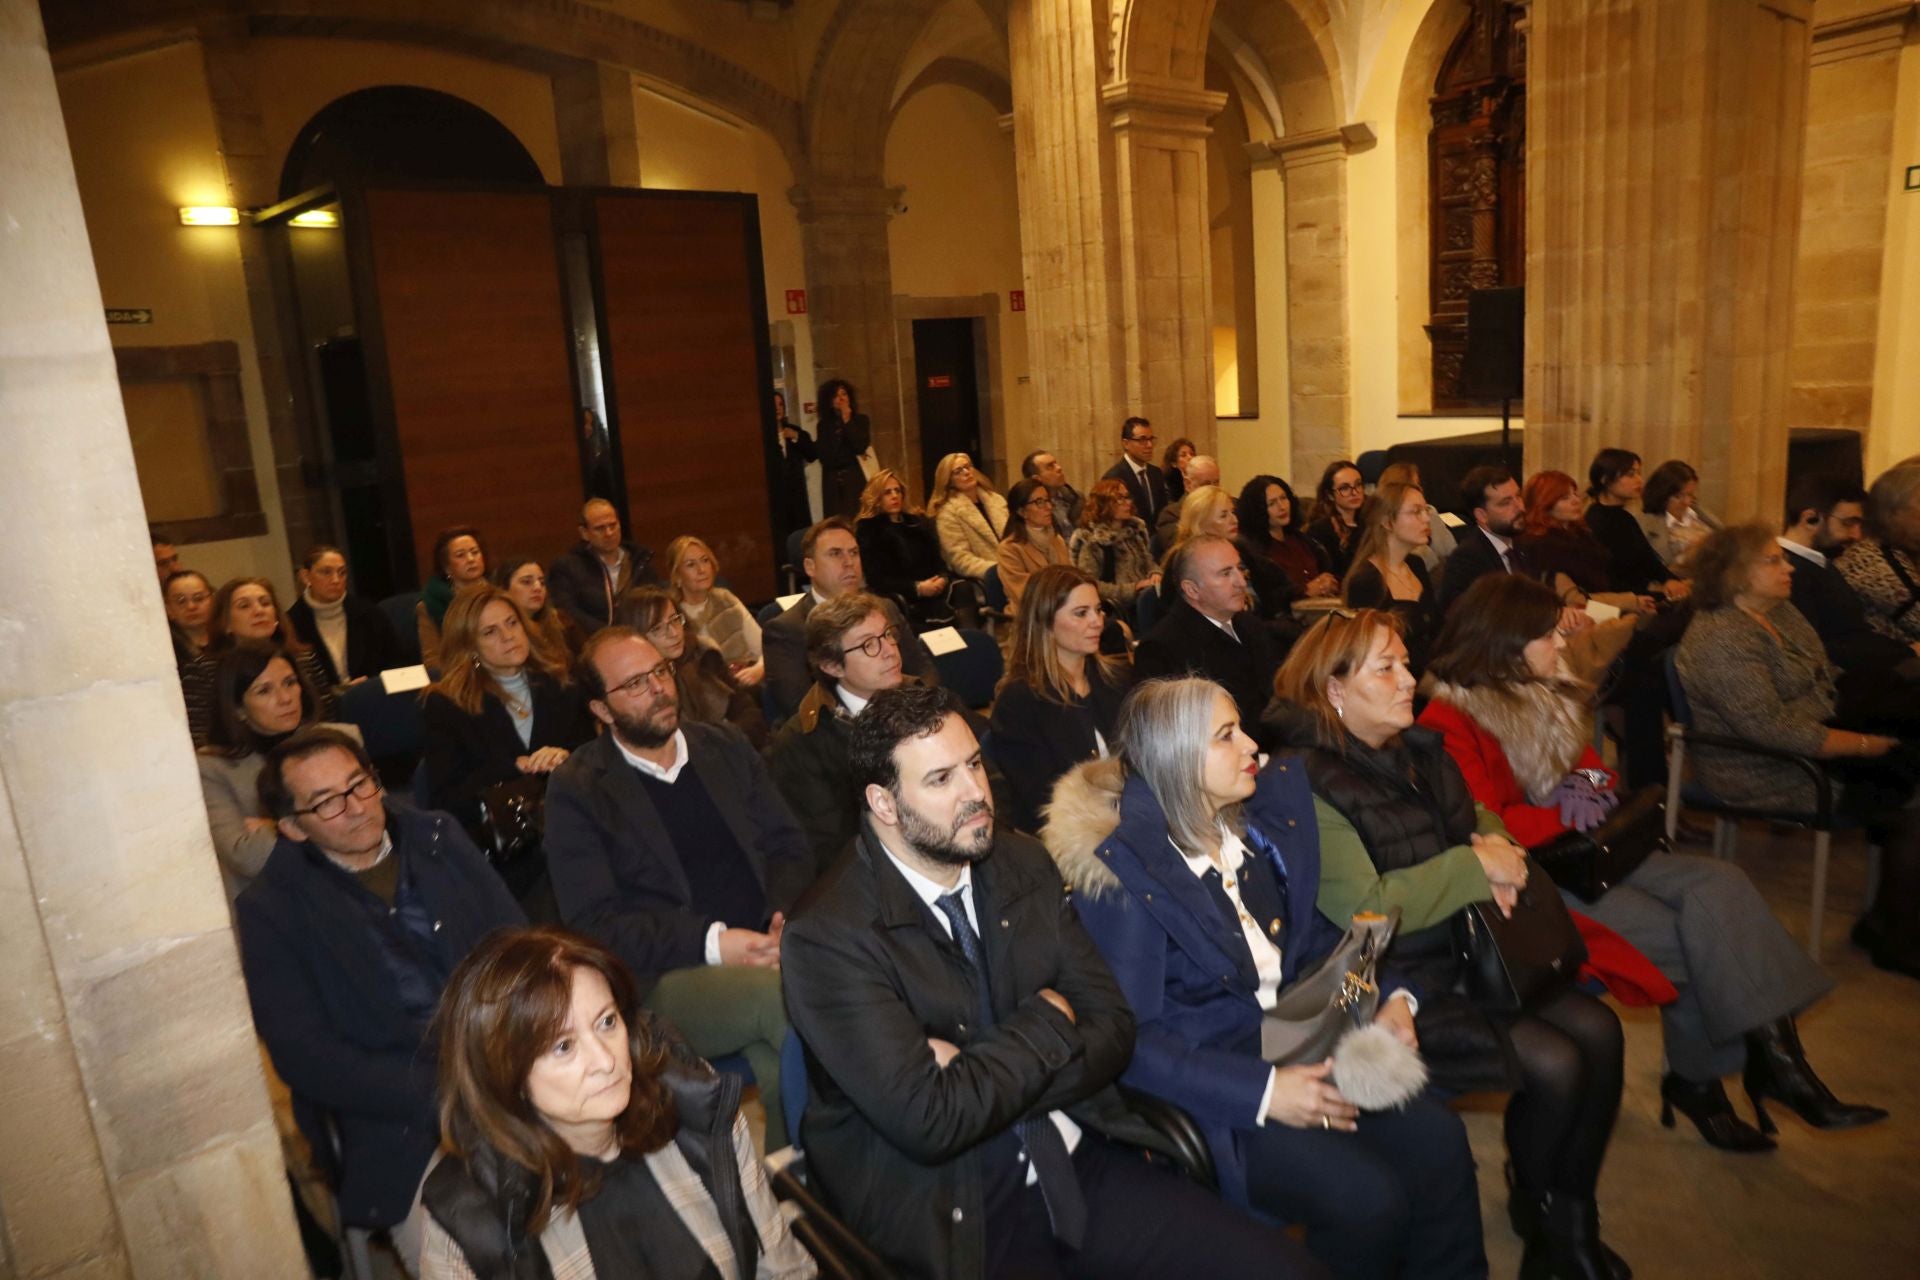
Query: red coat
point(1629, 976)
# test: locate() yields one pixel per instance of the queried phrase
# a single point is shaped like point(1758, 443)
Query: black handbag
point(1588, 863)
point(513, 818)
point(1510, 964)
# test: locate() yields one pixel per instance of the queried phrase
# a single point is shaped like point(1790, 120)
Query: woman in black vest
point(580, 1141)
point(1345, 697)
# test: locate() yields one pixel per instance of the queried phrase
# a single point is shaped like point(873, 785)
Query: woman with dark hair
point(1754, 669)
point(720, 620)
point(259, 701)
point(1386, 574)
point(1271, 521)
point(1059, 702)
point(1173, 462)
point(1399, 828)
point(578, 1140)
point(349, 634)
point(246, 609)
point(1520, 729)
point(844, 435)
point(708, 692)
point(900, 551)
point(550, 629)
point(1334, 524)
point(1614, 485)
point(501, 710)
point(1113, 547)
point(1670, 513)
point(188, 598)
point(1883, 568)
point(459, 564)
point(1030, 542)
point(1159, 846)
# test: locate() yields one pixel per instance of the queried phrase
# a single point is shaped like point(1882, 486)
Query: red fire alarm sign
point(939, 380)
point(796, 302)
point(1018, 299)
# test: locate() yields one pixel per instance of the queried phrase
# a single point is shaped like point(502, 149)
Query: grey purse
point(1329, 1013)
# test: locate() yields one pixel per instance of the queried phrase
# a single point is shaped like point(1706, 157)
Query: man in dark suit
point(347, 938)
point(349, 634)
point(1145, 482)
point(830, 555)
point(1210, 632)
point(963, 1036)
point(670, 844)
point(1492, 494)
point(589, 580)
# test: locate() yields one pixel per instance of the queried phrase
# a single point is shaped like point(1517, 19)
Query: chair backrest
point(794, 557)
point(1677, 692)
point(995, 593)
point(768, 612)
point(388, 722)
point(973, 672)
point(399, 611)
point(1146, 611)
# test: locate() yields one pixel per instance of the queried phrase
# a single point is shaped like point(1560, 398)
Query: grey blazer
point(1743, 683)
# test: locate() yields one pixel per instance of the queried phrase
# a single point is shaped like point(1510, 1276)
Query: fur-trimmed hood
point(1084, 812)
point(1543, 726)
point(1115, 532)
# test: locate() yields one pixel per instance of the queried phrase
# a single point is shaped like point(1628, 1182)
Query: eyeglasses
point(873, 645)
point(672, 622)
point(1140, 440)
point(365, 787)
point(198, 597)
point(661, 675)
point(1039, 502)
point(1349, 488)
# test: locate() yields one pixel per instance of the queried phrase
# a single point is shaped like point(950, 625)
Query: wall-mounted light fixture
point(209, 215)
point(315, 218)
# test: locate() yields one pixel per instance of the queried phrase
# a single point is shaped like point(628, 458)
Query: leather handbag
point(1510, 964)
point(1588, 863)
point(513, 818)
point(1340, 994)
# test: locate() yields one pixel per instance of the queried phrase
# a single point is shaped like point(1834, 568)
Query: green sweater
point(1426, 894)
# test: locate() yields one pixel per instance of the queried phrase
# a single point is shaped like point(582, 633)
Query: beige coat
point(970, 545)
point(1021, 560)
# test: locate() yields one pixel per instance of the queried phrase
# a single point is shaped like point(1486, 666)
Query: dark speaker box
point(1496, 344)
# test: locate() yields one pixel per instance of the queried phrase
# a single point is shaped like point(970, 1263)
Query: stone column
point(135, 1138)
point(843, 240)
point(1663, 192)
point(599, 137)
point(1314, 168)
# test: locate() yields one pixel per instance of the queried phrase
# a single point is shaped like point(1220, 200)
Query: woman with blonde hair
point(900, 551)
point(1060, 699)
point(1113, 547)
point(719, 619)
point(1386, 572)
point(1207, 509)
point(707, 689)
point(970, 515)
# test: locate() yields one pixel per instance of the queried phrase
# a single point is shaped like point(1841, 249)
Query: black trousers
point(1395, 1198)
point(1142, 1220)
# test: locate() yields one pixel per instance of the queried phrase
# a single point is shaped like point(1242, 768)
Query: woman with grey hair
point(1196, 873)
point(1883, 568)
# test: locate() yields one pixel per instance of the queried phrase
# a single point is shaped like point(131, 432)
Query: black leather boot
point(1566, 1245)
point(1777, 1068)
point(1526, 1211)
point(1711, 1112)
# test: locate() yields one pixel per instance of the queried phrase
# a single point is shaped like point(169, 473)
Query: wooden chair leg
point(1822, 845)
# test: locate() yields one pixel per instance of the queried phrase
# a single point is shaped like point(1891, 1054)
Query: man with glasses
point(667, 840)
point(347, 937)
point(1136, 470)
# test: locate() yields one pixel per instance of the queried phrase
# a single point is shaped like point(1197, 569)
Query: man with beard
point(963, 1035)
point(669, 843)
point(1492, 494)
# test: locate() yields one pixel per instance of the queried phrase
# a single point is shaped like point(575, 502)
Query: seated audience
point(1386, 574)
point(1146, 482)
point(854, 651)
point(502, 710)
point(1030, 542)
point(1754, 669)
point(459, 564)
point(1200, 471)
point(1067, 500)
point(1211, 510)
point(1670, 513)
point(845, 434)
point(189, 603)
point(590, 580)
point(961, 1112)
point(830, 557)
point(1156, 846)
point(1440, 540)
point(667, 841)
point(259, 700)
point(1113, 548)
point(1559, 547)
point(1614, 484)
point(576, 1134)
point(1399, 829)
point(1270, 522)
point(707, 691)
point(549, 627)
point(1333, 525)
point(347, 938)
point(1173, 464)
point(1059, 702)
point(1208, 630)
point(717, 616)
point(969, 515)
point(1206, 508)
point(1520, 729)
point(166, 559)
point(1491, 496)
point(348, 634)
point(1883, 568)
point(900, 551)
point(246, 609)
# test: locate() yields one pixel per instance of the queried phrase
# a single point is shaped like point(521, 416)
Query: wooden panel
point(683, 347)
point(476, 354)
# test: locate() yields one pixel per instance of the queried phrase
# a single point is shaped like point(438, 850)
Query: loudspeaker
point(1496, 344)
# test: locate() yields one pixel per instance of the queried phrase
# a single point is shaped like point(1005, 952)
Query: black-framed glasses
point(661, 675)
point(364, 787)
point(872, 645)
point(1349, 488)
point(1040, 502)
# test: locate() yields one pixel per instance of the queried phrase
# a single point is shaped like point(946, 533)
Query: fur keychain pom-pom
point(1376, 1070)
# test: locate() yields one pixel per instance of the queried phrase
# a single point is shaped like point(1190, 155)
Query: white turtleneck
point(330, 620)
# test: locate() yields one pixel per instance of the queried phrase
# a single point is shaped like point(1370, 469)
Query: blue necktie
point(1052, 1164)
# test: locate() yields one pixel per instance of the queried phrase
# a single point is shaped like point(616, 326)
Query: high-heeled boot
point(1566, 1245)
point(1777, 1068)
point(1711, 1112)
point(1526, 1211)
